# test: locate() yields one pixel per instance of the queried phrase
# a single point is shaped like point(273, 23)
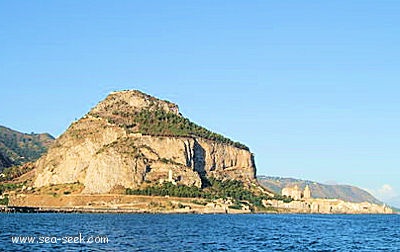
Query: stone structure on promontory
point(297, 194)
point(131, 138)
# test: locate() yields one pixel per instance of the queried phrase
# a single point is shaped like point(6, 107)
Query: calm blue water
point(146, 232)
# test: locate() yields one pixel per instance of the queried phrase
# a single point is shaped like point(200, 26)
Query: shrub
point(4, 201)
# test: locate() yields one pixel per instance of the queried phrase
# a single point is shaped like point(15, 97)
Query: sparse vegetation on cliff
point(4, 201)
point(13, 172)
point(5, 188)
point(9, 187)
point(162, 123)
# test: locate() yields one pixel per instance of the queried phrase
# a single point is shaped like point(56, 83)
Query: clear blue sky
point(312, 87)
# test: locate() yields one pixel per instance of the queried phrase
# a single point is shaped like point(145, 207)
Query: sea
point(193, 232)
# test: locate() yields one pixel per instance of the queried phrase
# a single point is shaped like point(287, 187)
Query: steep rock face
point(106, 149)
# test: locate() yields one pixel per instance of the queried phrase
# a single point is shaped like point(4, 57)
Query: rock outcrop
point(131, 139)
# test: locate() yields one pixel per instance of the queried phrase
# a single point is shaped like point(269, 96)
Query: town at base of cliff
point(304, 203)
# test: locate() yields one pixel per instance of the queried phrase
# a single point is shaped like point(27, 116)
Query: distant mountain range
point(343, 192)
point(17, 148)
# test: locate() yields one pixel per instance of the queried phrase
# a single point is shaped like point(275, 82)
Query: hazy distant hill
point(17, 148)
point(343, 192)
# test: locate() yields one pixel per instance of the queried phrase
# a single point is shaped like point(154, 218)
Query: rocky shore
point(116, 203)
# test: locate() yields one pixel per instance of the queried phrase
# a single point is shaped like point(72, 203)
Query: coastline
point(74, 210)
point(138, 204)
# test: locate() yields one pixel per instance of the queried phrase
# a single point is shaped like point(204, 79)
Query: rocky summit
point(130, 139)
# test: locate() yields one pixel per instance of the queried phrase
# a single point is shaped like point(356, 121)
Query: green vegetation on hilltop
point(162, 123)
point(152, 116)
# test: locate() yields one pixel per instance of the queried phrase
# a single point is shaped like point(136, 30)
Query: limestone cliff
point(131, 139)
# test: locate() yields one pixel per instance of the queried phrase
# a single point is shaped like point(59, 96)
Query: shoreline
point(26, 209)
point(80, 210)
point(118, 203)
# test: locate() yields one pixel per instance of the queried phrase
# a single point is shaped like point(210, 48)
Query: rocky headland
point(131, 138)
